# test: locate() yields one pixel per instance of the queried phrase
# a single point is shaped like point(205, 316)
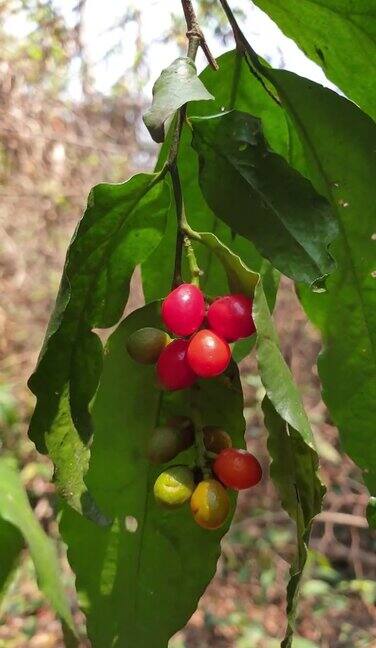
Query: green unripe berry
point(174, 487)
point(146, 344)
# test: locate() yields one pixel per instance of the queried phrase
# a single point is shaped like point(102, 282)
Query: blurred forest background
point(54, 145)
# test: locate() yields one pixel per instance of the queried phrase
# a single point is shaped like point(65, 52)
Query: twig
point(195, 39)
point(195, 35)
point(192, 261)
point(176, 184)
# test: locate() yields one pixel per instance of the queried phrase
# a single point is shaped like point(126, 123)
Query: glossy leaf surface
point(262, 198)
point(340, 149)
point(177, 85)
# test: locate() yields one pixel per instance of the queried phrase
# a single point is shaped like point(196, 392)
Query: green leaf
point(293, 471)
point(144, 575)
point(291, 445)
point(333, 130)
point(176, 85)
point(262, 198)
point(16, 510)
point(11, 545)
point(339, 35)
point(121, 226)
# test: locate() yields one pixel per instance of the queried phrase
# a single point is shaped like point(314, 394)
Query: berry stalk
point(202, 458)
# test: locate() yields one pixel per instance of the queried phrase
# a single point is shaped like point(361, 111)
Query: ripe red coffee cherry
point(173, 370)
point(237, 469)
point(183, 310)
point(208, 355)
point(231, 317)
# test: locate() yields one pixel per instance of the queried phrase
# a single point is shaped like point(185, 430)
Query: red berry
point(231, 317)
point(183, 310)
point(173, 370)
point(208, 355)
point(237, 469)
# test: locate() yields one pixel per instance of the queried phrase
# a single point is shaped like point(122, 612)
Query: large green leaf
point(262, 198)
point(339, 35)
point(340, 144)
point(143, 576)
point(121, 226)
point(295, 461)
point(16, 510)
point(176, 85)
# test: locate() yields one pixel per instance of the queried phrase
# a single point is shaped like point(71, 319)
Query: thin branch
point(195, 40)
point(195, 35)
point(177, 276)
point(194, 270)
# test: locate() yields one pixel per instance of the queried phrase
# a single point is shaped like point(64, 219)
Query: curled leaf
point(176, 85)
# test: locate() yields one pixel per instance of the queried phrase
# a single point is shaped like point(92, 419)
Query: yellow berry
point(210, 504)
point(174, 486)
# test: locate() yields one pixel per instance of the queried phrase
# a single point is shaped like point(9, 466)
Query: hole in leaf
point(343, 203)
point(373, 237)
point(131, 523)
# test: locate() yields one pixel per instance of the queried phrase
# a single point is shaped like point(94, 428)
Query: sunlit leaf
point(15, 509)
point(176, 85)
point(143, 576)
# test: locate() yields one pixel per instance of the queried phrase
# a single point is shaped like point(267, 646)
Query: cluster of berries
point(197, 352)
point(231, 468)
